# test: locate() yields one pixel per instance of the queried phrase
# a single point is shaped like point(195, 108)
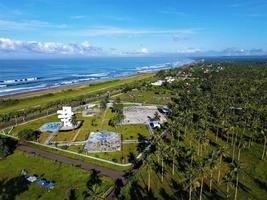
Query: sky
point(132, 28)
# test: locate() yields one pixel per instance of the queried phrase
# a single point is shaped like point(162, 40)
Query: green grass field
point(118, 156)
point(65, 177)
point(82, 90)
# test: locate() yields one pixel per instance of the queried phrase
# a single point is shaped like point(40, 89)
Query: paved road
point(84, 165)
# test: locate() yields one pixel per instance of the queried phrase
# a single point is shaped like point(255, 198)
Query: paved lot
point(140, 114)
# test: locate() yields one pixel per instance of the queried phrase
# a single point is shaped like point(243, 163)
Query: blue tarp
point(41, 182)
point(49, 185)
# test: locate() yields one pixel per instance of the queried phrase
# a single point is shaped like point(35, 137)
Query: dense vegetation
point(214, 143)
point(7, 146)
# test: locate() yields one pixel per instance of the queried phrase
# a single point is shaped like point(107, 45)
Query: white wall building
point(65, 115)
point(157, 83)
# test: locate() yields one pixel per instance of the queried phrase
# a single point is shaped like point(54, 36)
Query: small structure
point(155, 124)
point(66, 115)
point(169, 79)
point(32, 179)
point(165, 111)
point(103, 141)
point(157, 83)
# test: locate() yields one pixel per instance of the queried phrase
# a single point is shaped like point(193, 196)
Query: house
point(66, 115)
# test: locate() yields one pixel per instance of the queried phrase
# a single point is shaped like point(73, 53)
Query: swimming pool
point(51, 127)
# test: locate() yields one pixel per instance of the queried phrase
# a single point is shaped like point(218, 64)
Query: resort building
point(66, 116)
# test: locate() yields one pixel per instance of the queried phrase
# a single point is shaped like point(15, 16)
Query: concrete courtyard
point(141, 115)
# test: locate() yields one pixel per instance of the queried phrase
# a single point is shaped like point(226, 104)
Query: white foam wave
point(20, 80)
point(92, 75)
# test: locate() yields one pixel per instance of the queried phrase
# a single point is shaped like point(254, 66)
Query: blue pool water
point(51, 127)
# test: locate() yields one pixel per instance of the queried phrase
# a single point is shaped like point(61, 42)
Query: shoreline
point(60, 88)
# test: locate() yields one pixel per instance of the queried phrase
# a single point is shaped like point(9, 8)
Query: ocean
point(18, 76)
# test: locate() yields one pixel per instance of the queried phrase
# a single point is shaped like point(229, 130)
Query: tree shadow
point(164, 194)
point(180, 193)
point(141, 143)
point(10, 188)
point(260, 184)
point(118, 186)
point(136, 191)
point(213, 194)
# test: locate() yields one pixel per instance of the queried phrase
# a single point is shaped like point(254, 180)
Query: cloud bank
point(8, 46)
point(26, 49)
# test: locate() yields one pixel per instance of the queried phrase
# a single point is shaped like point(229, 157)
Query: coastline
point(56, 89)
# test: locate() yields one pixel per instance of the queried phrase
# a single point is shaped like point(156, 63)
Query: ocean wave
point(20, 89)
point(22, 80)
point(162, 66)
point(2, 86)
point(96, 75)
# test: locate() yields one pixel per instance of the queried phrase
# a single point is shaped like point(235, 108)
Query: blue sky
point(137, 27)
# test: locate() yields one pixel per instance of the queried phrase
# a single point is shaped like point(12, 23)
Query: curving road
point(78, 163)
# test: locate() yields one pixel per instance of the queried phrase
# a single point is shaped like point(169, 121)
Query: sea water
point(18, 76)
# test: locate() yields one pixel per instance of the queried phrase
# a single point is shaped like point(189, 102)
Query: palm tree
point(202, 171)
point(191, 181)
point(211, 165)
point(174, 147)
point(228, 179)
point(148, 162)
point(235, 170)
point(241, 144)
point(220, 153)
point(264, 136)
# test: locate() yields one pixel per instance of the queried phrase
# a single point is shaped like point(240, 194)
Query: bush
point(28, 135)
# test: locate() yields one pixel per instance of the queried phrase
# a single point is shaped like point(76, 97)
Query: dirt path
point(78, 163)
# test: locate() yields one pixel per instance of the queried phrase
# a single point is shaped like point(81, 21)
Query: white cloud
point(144, 51)
point(78, 17)
point(32, 47)
point(188, 50)
point(111, 31)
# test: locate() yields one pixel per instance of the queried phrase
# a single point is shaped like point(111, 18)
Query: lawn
point(82, 90)
point(66, 177)
point(35, 124)
point(118, 156)
point(128, 132)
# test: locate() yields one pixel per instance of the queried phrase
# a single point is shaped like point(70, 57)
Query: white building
point(157, 83)
point(65, 115)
